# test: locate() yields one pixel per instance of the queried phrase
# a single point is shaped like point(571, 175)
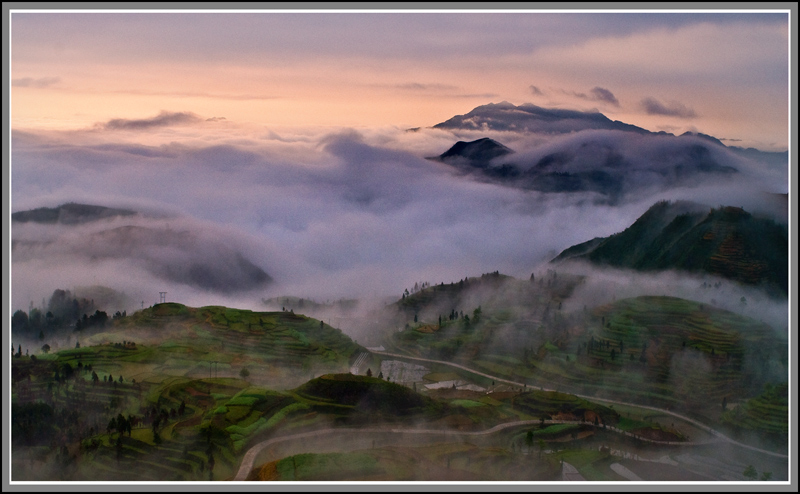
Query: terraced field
point(666, 351)
point(439, 462)
point(767, 413)
point(690, 351)
point(176, 379)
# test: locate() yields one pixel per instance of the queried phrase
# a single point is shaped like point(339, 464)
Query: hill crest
point(726, 241)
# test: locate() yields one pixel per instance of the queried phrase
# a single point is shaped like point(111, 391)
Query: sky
point(721, 74)
point(283, 137)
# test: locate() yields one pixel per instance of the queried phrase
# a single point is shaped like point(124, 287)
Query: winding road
point(700, 425)
point(250, 456)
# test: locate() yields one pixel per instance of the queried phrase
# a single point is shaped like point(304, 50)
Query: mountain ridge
point(70, 213)
point(726, 241)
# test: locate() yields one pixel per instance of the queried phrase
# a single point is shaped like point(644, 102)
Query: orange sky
point(71, 71)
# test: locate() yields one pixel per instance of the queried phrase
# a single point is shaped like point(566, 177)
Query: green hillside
point(650, 349)
point(767, 413)
point(727, 242)
point(435, 462)
point(272, 343)
point(675, 350)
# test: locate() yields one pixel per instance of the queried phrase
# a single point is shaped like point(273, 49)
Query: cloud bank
point(41, 82)
point(324, 215)
point(652, 106)
point(163, 119)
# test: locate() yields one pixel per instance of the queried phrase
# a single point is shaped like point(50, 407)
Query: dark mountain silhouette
point(478, 153)
point(598, 157)
point(183, 256)
point(477, 156)
point(590, 166)
point(726, 241)
point(200, 264)
point(69, 214)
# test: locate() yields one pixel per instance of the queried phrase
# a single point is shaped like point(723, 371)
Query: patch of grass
point(328, 466)
point(441, 376)
point(766, 413)
point(555, 430)
point(467, 403)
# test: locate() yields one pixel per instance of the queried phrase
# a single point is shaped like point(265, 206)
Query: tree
point(244, 373)
point(766, 476)
point(19, 321)
point(380, 375)
point(46, 348)
point(369, 372)
point(529, 439)
point(67, 371)
point(724, 403)
point(95, 378)
point(211, 465)
point(750, 472)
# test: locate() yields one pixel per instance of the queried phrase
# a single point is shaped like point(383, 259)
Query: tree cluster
point(98, 319)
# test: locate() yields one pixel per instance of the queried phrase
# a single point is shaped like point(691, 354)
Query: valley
point(517, 391)
point(361, 248)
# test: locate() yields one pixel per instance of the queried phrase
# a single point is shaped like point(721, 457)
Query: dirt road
point(700, 425)
point(251, 454)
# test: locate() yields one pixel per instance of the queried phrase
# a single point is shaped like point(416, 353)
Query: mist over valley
point(260, 257)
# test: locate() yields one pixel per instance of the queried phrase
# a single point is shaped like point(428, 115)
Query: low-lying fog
point(231, 215)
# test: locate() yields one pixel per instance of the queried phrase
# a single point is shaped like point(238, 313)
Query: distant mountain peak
point(527, 117)
point(703, 136)
point(71, 213)
point(484, 150)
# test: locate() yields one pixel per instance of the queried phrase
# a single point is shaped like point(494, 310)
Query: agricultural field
point(441, 462)
point(154, 387)
point(180, 393)
point(664, 351)
point(183, 408)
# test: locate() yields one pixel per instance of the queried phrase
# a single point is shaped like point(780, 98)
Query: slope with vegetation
point(727, 242)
